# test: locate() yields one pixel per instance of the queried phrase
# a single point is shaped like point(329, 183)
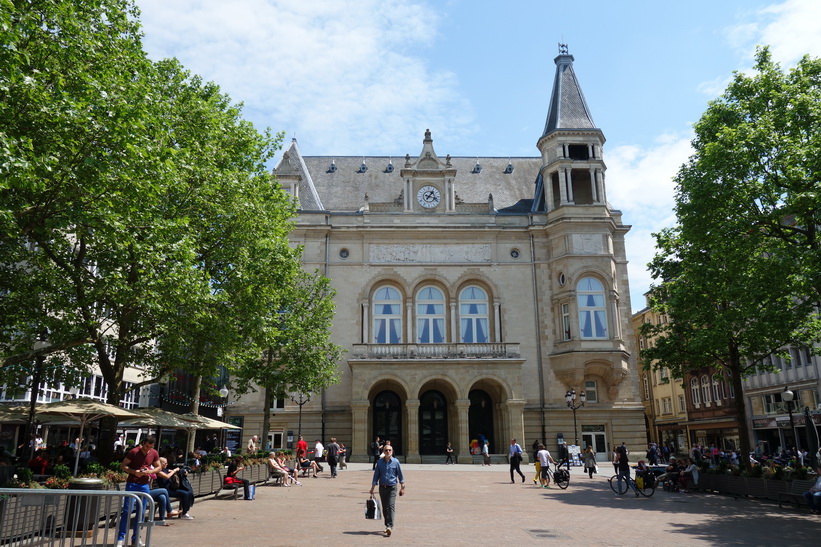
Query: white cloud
point(640, 183)
point(350, 75)
point(792, 29)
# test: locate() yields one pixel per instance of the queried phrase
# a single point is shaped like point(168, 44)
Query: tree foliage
point(138, 223)
point(738, 275)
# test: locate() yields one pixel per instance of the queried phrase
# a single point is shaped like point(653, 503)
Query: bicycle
point(646, 489)
point(561, 477)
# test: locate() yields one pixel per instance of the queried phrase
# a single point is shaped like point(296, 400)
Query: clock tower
point(428, 181)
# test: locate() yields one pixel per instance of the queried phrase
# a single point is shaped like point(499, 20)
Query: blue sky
point(351, 77)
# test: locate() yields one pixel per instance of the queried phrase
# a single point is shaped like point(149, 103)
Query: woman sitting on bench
point(307, 465)
point(276, 462)
point(231, 477)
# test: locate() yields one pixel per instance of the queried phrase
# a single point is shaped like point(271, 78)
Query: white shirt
point(544, 458)
point(318, 449)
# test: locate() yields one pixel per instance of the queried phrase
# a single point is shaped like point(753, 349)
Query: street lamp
point(787, 396)
point(300, 399)
point(570, 398)
point(36, 376)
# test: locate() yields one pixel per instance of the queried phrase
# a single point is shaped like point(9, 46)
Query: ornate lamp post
point(300, 399)
point(787, 396)
point(570, 398)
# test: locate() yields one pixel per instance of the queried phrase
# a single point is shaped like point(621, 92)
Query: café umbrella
point(83, 411)
point(204, 422)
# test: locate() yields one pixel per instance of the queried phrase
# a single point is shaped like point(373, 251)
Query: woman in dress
point(590, 461)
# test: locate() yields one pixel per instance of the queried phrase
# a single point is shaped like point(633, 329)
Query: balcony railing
point(435, 351)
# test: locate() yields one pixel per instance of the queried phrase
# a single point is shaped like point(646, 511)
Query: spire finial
point(562, 49)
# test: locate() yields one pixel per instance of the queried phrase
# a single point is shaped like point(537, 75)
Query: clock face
point(428, 196)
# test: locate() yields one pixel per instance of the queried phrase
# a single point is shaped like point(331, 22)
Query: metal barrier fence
point(69, 518)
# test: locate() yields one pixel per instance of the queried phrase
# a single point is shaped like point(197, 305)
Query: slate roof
point(344, 189)
point(568, 109)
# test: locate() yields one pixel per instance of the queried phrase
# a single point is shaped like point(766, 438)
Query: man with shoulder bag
point(514, 456)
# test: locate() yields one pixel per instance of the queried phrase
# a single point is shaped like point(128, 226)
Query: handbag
point(372, 509)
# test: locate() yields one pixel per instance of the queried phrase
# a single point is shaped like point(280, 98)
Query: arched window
point(592, 312)
point(705, 389)
point(717, 391)
point(695, 392)
point(430, 316)
point(473, 323)
point(387, 316)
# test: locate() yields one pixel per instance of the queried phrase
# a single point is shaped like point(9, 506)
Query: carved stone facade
point(472, 293)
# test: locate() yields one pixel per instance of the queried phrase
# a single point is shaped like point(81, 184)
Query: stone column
point(461, 448)
point(562, 187)
point(497, 320)
point(359, 430)
point(594, 185)
point(366, 323)
point(454, 330)
point(412, 433)
point(571, 198)
point(409, 324)
point(513, 410)
point(547, 183)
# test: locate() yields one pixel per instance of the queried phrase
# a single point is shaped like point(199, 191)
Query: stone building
point(664, 398)
point(472, 294)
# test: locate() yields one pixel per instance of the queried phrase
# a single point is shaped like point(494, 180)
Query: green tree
point(139, 224)
point(733, 274)
point(300, 356)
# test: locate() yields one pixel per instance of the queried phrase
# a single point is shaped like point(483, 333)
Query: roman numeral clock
point(428, 196)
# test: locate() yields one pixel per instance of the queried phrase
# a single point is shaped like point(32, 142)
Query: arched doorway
point(433, 423)
point(480, 418)
point(387, 419)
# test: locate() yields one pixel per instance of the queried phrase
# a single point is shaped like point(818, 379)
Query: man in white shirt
point(318, 450)
point(545, 459)
point(252, 444)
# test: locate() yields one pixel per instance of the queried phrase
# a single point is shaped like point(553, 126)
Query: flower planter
point(706, 482)
point(736, 486)
point(757, 487)
point(775, 487)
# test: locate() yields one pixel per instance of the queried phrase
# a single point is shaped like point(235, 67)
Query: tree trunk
point(195, 409)
point(741, 409)
point(266, 417)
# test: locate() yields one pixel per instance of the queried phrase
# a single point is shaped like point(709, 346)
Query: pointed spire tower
point(572, 167)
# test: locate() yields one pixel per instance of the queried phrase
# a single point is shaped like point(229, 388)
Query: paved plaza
point(474, 505)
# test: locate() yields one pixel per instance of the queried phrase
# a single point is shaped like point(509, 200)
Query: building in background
point(663, 396)
point(472, 294)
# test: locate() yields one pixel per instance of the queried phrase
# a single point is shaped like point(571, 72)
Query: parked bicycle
point(645, 486)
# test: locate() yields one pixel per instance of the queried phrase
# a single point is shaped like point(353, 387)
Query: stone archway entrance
point(387, 419)
point(480, 419)
point(433, 423)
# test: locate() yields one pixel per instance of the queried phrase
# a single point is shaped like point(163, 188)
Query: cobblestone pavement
point(474, 505)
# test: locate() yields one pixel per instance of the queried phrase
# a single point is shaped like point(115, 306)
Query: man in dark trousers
point(388, 475)
point(514, 456)
point(376, 450)
point(623, 465)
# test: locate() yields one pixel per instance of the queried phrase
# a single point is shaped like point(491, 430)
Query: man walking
point(544, 459)
point(623, 465)
point(514, 456)
point(140, 463)
point(376, 450)
point(318, 450)
point(333, 454)
point(388, 475)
